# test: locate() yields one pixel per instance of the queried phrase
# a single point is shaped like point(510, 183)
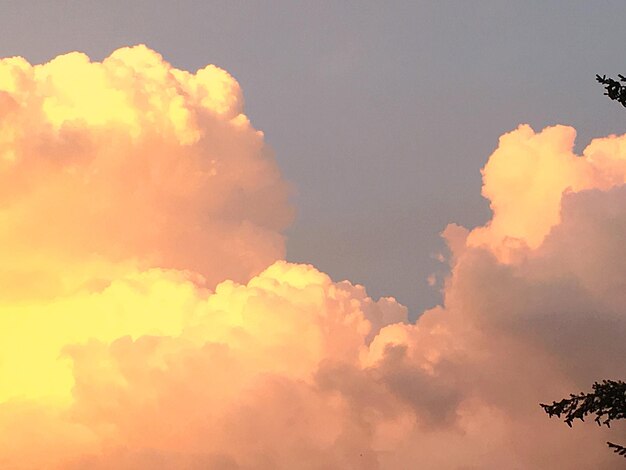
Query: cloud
point(527, 176)
point(131, 162)
point(147, 319)
point(223, 373)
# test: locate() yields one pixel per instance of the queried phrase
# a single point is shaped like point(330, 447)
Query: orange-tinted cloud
point(527, 176)
point(134, 163)
point(147, 321)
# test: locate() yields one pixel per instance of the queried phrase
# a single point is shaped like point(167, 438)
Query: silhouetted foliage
point(607, 402)
point(608, 399)
point(614, 89)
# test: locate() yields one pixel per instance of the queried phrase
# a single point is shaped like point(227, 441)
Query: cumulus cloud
point(135, 163)
point(160, 368)
point(147, 319)
point(527, 176)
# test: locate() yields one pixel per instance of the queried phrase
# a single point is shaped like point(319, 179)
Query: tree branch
point(607, 402)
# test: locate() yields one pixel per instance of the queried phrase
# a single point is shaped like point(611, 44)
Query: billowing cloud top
point(527, 176)
point(131, 161)
point(147, 320)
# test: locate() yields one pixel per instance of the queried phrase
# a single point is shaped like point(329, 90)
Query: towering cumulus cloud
point(131, 161)
point(148, 321)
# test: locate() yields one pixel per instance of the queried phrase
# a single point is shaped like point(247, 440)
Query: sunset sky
point(347, 235)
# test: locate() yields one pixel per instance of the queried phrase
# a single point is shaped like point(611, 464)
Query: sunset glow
point(149, 319)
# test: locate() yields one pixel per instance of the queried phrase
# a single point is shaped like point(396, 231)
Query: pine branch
point(619, 450)
point(607, 402)
point(614, 89)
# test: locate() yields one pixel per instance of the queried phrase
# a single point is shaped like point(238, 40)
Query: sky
point(308, 234)
point(359, 101)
